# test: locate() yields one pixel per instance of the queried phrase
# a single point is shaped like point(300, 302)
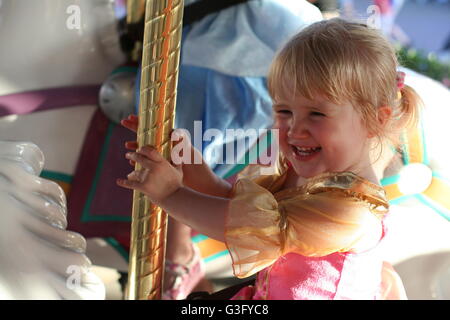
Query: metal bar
point(160, 65)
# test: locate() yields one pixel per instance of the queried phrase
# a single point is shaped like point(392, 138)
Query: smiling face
point(318, 136)
point(327, 97)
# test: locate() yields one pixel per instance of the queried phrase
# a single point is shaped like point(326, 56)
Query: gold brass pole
point(160, 62)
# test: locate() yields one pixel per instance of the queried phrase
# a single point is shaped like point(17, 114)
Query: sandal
point(184, 277)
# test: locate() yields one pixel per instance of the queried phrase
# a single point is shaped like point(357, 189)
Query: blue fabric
point(224, 63)
point(242, 40)
point(221, 102)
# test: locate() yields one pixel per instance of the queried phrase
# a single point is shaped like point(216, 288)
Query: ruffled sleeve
point(315, 220)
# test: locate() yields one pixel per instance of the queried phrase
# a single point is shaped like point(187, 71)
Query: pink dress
point(338, 276)
point(318, 241)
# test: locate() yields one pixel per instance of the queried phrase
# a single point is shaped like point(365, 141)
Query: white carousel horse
point(39, 258)
point(420, 237)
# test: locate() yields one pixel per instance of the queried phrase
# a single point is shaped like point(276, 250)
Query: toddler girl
point(311, 229)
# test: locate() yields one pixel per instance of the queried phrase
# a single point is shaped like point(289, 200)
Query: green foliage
point(426, 64)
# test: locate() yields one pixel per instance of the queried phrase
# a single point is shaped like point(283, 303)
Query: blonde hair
point(346, 61)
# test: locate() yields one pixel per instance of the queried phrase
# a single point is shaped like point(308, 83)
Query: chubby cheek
point(283, 130)
point(341, 148)
point(330, 140)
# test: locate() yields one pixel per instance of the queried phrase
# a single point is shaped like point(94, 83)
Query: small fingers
point(132, 118)
point(143, 160)
point(129, 184)
point(151, 153)
point(131, 145)
point(130, 123)
point(138, 175)
point(133, 176)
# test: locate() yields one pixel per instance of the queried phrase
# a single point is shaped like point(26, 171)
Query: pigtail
point(408, 116)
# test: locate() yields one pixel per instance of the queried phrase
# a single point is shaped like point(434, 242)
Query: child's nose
point(298, 131)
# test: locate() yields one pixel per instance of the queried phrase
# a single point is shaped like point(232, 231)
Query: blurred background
point(68, 77)
point(419, 28)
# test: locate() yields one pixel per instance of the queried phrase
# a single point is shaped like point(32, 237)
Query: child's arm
point(201, 178)
point(197, 176)
point(202, 212)
point(162, 183)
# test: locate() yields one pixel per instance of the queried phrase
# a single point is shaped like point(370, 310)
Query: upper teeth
point(306, 149)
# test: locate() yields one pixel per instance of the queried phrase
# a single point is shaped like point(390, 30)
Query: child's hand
point(157, 179)
point(193, 165)
point(131, 123)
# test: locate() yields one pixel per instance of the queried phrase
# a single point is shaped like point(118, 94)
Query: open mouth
point(305, 153)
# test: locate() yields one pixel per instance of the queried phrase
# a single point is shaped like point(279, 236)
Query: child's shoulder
point(343, 185)
point(346, 184)
point(350, 183)
point(341, 180)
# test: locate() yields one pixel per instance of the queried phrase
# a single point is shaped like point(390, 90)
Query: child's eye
point(317, 114)
point(284, 112)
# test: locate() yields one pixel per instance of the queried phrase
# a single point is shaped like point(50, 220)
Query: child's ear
point(384, 114)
